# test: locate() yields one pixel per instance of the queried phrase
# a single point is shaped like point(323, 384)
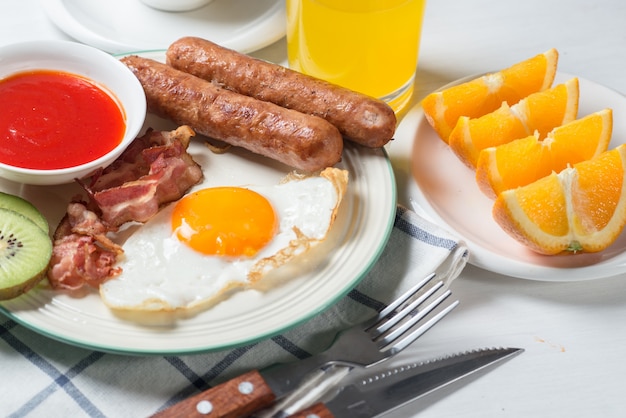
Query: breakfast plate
point(118, 26)
point(287, 297)
point(444, 190)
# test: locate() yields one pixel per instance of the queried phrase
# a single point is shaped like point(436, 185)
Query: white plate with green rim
point(300, 291)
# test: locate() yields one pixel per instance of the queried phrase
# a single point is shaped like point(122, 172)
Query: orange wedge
point(485, 94)
point(581, 209)
point(540, 112)
point(526, 160)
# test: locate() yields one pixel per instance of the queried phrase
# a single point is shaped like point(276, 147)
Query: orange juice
point(369, 46)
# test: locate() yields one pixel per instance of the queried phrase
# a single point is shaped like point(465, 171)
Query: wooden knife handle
point(235, 398)
point(318, 411)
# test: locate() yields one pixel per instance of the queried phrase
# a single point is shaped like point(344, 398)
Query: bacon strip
point(155, 169)
point(82, 253)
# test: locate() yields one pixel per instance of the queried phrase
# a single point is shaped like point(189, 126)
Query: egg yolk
point(224, 221)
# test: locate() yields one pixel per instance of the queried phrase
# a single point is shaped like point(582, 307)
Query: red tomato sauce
point(51, 119)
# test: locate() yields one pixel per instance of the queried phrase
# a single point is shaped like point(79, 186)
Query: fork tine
point(405, 342)
point(407, 310)
point(399, 301)
point(400, 345)
point(413, 318)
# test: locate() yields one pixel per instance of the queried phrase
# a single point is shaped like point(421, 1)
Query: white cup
point(176, 5)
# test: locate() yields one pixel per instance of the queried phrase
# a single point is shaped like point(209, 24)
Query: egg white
point(160, 273)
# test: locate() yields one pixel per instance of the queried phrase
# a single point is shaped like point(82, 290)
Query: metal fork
point(369, 343)
point(377, 339)
point(388, 330)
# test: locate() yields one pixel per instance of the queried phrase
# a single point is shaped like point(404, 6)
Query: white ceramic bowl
point(104, 70)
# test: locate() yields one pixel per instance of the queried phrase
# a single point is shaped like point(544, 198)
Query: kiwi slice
point(25, 251)
point(24, 207)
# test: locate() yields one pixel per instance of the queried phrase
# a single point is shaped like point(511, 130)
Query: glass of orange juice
point(370, 46)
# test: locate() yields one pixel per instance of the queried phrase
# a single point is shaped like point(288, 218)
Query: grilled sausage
point(360, 118)
point(301, 141)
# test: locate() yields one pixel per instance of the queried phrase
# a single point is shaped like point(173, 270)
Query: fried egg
point(220, 238)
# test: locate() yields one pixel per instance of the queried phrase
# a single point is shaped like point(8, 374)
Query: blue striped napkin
point(46, 378)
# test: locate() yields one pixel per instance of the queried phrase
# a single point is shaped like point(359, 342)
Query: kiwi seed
point(25, 251)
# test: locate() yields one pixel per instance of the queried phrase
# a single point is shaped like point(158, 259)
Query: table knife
point(244, 394)
point(363, 396)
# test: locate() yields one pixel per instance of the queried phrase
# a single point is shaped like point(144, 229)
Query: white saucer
point(119, 26)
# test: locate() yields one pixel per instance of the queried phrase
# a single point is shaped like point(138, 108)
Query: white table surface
point(573, 333)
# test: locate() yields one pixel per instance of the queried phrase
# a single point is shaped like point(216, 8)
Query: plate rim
point(479, 255)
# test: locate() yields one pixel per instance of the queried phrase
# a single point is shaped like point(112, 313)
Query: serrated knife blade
point(371, 396)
